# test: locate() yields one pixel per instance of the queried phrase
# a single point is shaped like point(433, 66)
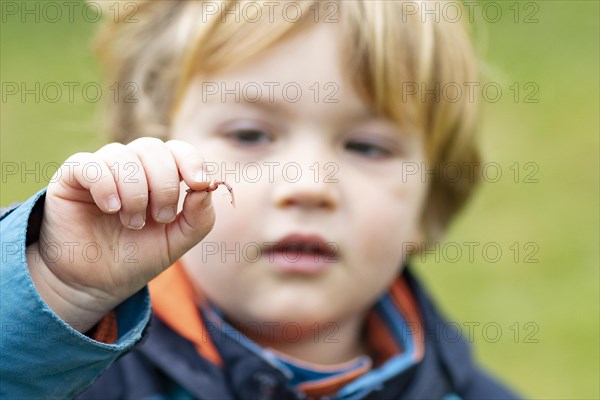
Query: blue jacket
point(43, 357)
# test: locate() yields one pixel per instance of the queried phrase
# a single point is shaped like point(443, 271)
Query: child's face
point(369, 213)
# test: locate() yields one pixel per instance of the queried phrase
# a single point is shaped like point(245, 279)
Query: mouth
point(301, 253)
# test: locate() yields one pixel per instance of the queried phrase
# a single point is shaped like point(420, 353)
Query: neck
point(327, 343)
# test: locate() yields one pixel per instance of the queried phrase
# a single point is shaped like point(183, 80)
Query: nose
point(306, 188)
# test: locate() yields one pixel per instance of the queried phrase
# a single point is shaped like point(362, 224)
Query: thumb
point(192, 224)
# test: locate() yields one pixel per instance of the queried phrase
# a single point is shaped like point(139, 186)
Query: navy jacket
point(166, 365)
point(152, 361)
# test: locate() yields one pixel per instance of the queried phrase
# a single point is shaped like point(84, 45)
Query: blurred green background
point(547, 311)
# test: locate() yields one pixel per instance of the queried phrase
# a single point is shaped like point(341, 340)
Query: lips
point(299, 243)
point(301, 253)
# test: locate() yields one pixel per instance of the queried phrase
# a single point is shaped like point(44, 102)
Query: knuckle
point(78, 157)
point(146, 142)
point(176, 142)
point(169, 192)
point(113, 148)
point(180, 144)
point(191, 153)
point(106, 177)
point(195, 158)
point(139, 199)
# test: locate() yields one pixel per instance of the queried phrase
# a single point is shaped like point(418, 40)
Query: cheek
point(251, 201)
point(390, 221)
point(237, 234)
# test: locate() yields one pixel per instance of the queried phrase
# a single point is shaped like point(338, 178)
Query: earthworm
point(214, 185)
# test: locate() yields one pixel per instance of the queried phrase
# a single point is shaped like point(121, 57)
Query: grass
point(548, 311)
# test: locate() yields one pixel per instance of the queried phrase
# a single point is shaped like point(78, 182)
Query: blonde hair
point(388, 50)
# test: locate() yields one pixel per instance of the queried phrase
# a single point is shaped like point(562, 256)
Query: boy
point(301, 291)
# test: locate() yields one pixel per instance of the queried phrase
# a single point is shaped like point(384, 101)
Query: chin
point(295, 309)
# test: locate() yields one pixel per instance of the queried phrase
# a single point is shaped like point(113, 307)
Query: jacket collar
point(174, 302)
point(174, 305)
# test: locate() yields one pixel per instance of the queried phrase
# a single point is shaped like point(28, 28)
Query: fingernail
point(137, 221)
point(201, 177)
point(113, 203)
point(166, 214)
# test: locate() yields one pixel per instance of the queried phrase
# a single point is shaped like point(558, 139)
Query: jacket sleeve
point(42, 356)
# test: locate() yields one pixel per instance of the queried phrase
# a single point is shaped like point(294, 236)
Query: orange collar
point(173, 301)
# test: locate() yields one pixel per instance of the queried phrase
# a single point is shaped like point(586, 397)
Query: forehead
point(304, 72)
point(310, 53)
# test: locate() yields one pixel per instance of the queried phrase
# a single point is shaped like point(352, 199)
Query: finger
point(193, 223)
point(162, 176)
point(89, 171)
point(190, 164)
point(131, 182)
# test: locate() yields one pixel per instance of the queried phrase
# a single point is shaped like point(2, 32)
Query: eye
point(367, 149)
point(249, 137)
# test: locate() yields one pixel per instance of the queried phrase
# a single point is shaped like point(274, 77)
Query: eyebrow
point(285, 108)
point(263, 104)
point(275, 106)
